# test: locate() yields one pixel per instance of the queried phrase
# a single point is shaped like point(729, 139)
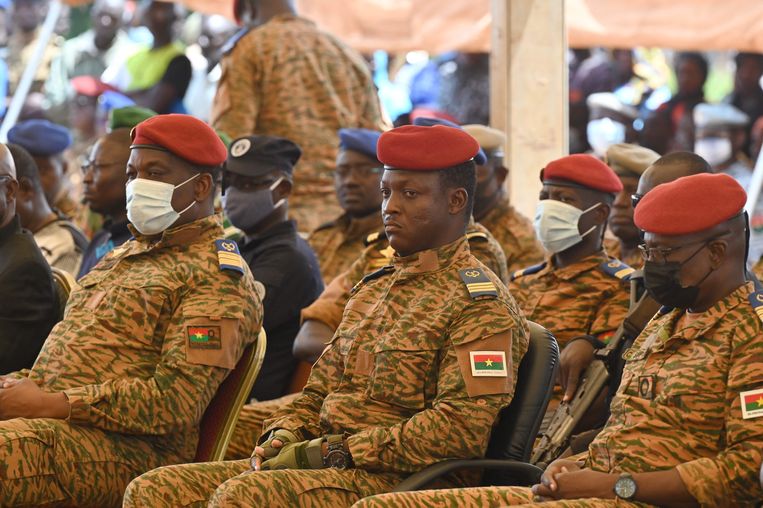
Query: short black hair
point(746, 55)
point(26, 167)
point(461, 176)
point(696, 57)
point(691, 160)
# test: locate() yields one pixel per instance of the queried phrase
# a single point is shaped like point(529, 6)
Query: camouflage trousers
point(229, 484)
point(249, 426)
point(46, 462)
point(482, 497)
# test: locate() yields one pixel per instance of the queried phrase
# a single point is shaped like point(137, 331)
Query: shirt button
point(481, 402)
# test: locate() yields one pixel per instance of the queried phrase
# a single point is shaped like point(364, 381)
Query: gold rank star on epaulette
point(478, 284)
point(228, 256)
point(617, 268)
point(756, 301)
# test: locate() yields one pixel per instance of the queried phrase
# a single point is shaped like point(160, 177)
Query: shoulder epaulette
point(664, 310)
point(478, 285)
point(325, 225)
point(374, 237)
point(471, 235)
point(617, 268)
point(756, 301)
point(228, 256)
point(384, 270)
point(231, 43)
point(529, 270)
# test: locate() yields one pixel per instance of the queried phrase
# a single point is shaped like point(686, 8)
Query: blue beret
point(40, 137)
point(426, 121)
point(114, 100)
point(359, 140)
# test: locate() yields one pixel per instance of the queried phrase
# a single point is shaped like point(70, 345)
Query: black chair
point(508, 453)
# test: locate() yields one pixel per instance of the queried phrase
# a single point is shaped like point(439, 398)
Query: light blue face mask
point(247, 209)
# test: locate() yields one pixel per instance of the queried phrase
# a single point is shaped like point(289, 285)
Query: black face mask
point(662, 284)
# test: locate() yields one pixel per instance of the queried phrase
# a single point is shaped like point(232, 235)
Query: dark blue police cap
point(359, 140)
point(259, 155)
point(425, 121)
point(40, 137)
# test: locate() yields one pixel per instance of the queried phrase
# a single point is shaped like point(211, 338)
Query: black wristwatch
point(625, 487)
point(336, 456)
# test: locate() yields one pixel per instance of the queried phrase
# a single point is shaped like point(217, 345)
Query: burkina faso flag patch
point(488, 363)
point(204, 337)
point(752, 403)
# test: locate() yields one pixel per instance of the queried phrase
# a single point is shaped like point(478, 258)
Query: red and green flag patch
point(204, 337)
point(752, 404)
point(488, 363)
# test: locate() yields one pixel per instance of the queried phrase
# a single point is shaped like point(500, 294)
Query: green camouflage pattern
point(249, 425)
point(137, 381)
point(336, 244)
point(290, 79)
point(396, 378)
point(516, 235)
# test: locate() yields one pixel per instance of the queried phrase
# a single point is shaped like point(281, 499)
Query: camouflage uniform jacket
point(336, 244)
point(288, 78)
point(680, 402)
point(613, 249)
point(329, 306)
point(590, 297)
point(516, 235)
point(398, 375)
point(128, 354)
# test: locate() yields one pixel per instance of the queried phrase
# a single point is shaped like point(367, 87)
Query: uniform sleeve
point(301, 416)
point(731, 478)
point(611, 310)
point(459, 422)
point(204, 340)
point(237, 100)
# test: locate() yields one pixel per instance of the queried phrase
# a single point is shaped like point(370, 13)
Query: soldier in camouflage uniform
point(629, 162)
point(579, 294)
point(423, 360)
point(492, 209)
point(321, 319)
point(356, 181)
point(687, 421)
point(282, 76)
point(122, 382)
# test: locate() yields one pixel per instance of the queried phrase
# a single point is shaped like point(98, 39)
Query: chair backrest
point(64, 283)
point(221, 415)
point(519, 422)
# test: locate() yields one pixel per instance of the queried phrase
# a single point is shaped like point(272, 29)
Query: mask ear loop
point(272, 188)
point(604, 230)
point(192, 202)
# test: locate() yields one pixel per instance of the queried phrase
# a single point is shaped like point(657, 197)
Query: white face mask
point(149, 205)
point(714, 150)
point(603, 133)
point(556, 225)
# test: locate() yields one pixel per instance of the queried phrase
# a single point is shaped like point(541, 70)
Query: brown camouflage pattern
point(516, 235)
point(249, 426)
point(304, 90)
point(337, 243)
point(757, 269)
point(614, 249)
point(579, 299)
point(123, 356)
point(395, 378)
point(329, 306)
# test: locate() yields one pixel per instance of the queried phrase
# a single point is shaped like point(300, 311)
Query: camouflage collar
point(701, 322)
point(574, 270)
point(186, 234)
point(433, 259)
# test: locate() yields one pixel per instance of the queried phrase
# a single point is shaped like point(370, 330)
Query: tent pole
point(22, 90)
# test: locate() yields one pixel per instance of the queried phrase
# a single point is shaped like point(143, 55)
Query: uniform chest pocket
point(404, 374)
point(127, 313)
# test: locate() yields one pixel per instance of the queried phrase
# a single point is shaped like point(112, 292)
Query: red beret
point(419, 148)
point(90, 86)
point(690, 204)
point(584, 171)
point(183, 135)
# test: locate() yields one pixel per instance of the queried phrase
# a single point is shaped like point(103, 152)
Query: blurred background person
point(720, 133)
point(26, 19)
point(747, 95)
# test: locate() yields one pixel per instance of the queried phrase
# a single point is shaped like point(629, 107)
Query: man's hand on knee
point(302, 455)
point(22, 398)
point(272, 446)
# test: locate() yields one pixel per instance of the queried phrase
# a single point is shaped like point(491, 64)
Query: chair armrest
point(525, 474)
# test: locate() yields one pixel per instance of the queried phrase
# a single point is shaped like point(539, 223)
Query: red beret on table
point(690, 204)
point(582, 170)
point(419, 148)
point(182, 135)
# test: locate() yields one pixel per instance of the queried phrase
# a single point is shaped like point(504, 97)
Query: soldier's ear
point(203, 186)
point(717, 251)
point(457, 200)
point(601, 212)
point(282, 190)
